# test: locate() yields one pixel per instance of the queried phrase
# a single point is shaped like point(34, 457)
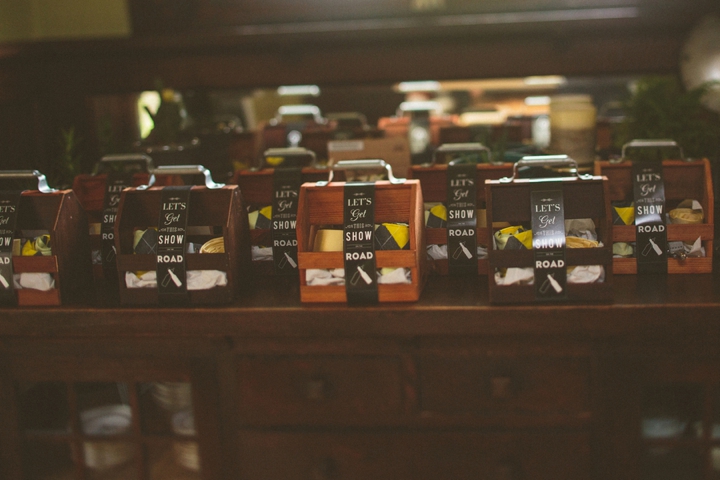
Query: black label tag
point(9, 207)
point(359, 244)
point(171, 248)
point(650, 230)
point(462, 219)
point(548, 228)
point(286, 191)
point(114, 185)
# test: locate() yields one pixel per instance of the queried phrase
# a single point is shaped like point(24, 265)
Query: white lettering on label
point(108, 236)
point(359, 256)
point(285, 243)
point(549, 264)
point(170, 239)
point(547, 243)
point(651, 228)
point(5, 260)
point(459, 214)
point(174, 206)
point(285, 194)
point(5, 241)
point(361, 236)
point(357, 213)
point(554, 207)
point(462, 182)
point(284, 224)
point(169, 258)
point(648, 210)
point(461, 232)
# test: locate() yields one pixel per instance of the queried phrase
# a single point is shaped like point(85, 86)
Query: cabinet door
point(87, 415)
point(666, 419)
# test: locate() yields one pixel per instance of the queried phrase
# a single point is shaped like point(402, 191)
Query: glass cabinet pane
point(159, 402)
point(672, 411)
point(48, 461)
point(43, 407)
point(662, 463)
point(108, 460)
point(175, 459)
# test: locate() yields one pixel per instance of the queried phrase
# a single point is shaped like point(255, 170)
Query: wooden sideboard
point(448, 387)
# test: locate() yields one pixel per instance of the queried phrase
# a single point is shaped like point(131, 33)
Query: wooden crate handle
point(476, 147)
point(546, 161)
point(640, 143)
point(185, 170)
point(43, 186)
point(365, 164)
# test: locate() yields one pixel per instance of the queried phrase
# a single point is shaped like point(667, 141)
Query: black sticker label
point(171, 248)
point(286, 191)
point(650, 230)
point(359, 244)
point(9, 207)
point(114, 185)
point(462, 219)
point(548, 229)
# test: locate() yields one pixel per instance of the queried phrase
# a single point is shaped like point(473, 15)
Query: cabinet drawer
point(320, 456)
point(417, 456)
point(476, 384)
point(318, 389)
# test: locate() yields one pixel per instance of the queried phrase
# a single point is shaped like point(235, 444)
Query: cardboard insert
point(220, 209)
point(394, 203)
point(683, 180)
point(510, 202)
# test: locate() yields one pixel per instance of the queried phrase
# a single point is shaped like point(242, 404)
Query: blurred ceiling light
point(420, 106)
point(537, 100)
point(549, 82)
point(545, 80)
point(313, 90)
point(420, 86)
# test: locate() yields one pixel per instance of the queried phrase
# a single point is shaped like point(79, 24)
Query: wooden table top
point(664, 306)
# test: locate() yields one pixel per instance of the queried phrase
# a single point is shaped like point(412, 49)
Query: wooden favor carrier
point(90, 192)
point(683, 180)
point(585, 196)
point(321, 204)
point(256, 186)
point(59, 213)
point(433, 179)
point(212, 205)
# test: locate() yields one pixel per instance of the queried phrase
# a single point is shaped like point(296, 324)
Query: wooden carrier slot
point(220, 208)
point(323, 206)
point(434, 187)
point(683, 180)
point(60, 214)
point(510, 202)
point(257, 190)
point(90, 192)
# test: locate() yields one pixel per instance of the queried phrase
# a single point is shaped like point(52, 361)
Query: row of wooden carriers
point(305, 126)
point(221, 210)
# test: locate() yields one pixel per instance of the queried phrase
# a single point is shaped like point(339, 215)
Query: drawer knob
point(327, 469)
point(317, 388)
point(501, 387)
point(507, 471)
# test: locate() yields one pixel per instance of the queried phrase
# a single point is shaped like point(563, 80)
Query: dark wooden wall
point(45, 87)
